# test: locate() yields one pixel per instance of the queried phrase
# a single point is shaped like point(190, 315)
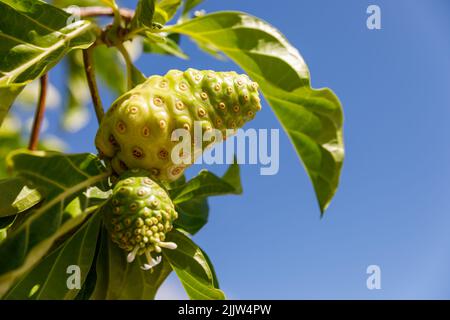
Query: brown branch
point(86, 12)
point(92, 83)
point(39, 115)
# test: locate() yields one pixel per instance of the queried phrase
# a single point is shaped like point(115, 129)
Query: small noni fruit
point(141, 215)
point(136, 131)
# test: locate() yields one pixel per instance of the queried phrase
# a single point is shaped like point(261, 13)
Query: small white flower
point(151, 262)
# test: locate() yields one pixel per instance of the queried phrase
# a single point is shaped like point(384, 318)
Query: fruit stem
point(39, 115)
point(128, 63)
point(92, 83)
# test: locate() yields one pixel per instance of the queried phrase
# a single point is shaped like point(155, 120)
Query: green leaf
point(17, 195)
point(80, 3)
point(110, 3)
point(3, 234)
point(215, 280)
point(118, 279)
point(165, 10)
point(169, 47)
point(312, 118)
point(109, 68)
point(7, 96)
point(33, 38)
point(137, 77)
point(6, 222)
point(192, 268)
point(143, 16)
point(190, 197)
point(207, 184)
point(49, 279)
point(134, 75)
point(189, 5)
point(8, 141)
point(192, 215)
point(65, 181)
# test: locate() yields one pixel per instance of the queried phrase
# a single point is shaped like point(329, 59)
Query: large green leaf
point(207, 184)
point(16, 196)
point(118, 279)
point(192, 268)
point(34, 36)
point(66, 183)
point(192, 215)
point(48, 280)
point(312, 118)
point(190, 197)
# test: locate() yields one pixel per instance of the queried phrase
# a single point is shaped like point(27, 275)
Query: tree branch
point(92, 83)
point(39, 115)
point(86, 12)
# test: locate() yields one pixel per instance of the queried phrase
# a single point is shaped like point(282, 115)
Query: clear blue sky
point(392, 206)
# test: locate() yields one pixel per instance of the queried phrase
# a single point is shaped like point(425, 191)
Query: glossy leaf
point(62, 180)
point(16, 196)
point(8, 93)
point(168, 47)
point(192, 268)
point(49, 279)
point(312, 118)
point(165, 10)
point(143, 16)
point(118, 279)
point(192, 215)
point(137, 77)
point(207, 184)
point(33, 39)
point(10, 139)
point(110, 68)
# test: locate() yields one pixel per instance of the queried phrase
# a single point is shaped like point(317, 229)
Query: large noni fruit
point(136, 131)
point(140, 217)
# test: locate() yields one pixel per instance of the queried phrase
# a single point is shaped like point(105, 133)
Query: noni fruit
point(136, 132)
point(141, 215)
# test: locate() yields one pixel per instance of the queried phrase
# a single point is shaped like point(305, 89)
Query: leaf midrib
point(64, 195)
point(54, 47)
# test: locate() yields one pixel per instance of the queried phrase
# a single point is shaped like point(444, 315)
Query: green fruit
point(136, 131)
point(141, 215)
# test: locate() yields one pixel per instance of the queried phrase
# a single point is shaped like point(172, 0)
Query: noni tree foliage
point(125, 216)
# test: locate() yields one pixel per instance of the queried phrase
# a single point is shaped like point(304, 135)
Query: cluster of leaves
point(51, 208)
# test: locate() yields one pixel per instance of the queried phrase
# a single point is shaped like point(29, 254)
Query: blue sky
point(392, 206)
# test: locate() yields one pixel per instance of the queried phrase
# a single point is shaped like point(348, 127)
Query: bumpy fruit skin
point(141, 215)
point(136, 131)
